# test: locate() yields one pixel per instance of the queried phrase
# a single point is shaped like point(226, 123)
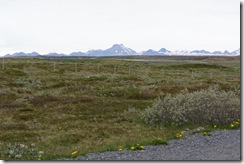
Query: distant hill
point(121, 50)
point(54, 54)
point(22, 54)
point(162, 51)
point(150, 52)
point(200, 52)
point(77, 54)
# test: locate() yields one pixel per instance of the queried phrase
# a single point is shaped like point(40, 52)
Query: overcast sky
point(65, 26)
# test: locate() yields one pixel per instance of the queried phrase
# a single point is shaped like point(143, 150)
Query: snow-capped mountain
point(180, 52)
point(164, 51)
point(115, 50)
point(205, 53)
point(226, 52)
point(200, 52)
point(120, 49)
point(236, 52)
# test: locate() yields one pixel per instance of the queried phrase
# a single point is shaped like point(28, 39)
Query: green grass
point(94, 107)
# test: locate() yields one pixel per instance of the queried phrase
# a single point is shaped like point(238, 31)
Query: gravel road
point(221, 145)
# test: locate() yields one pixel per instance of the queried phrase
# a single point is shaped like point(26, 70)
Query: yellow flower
point(142, 147)
point(132, 148)
point(178, 135)
point(232, 125)
point(237, 123)
point(204, 133)
point(120, 148)
point(215, 126)
point(74, 153)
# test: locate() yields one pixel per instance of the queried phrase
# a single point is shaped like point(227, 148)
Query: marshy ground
point(91, 105)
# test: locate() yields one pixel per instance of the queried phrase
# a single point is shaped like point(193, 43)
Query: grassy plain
point(92, 104)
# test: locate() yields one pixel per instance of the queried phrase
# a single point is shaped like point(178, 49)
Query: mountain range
point(121, 50)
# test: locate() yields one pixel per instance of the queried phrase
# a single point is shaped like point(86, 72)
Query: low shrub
point(209, 106)
point(21, 151)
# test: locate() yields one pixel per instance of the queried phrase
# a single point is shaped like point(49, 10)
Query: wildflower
point(205, 133)
point(132, 148)
point(74, 153)
point(215, 126)
point(120, 148)
point(237, 123)
point(142, 147)
point(178, 135)
point(232, 125)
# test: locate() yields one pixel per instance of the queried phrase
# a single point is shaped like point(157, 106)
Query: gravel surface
point(221, 145)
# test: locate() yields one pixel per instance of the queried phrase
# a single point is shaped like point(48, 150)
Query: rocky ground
point(221, 145)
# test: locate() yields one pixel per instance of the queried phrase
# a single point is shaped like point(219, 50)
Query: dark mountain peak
point(226, 52)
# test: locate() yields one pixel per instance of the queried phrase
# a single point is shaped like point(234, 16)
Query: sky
point(66, 26)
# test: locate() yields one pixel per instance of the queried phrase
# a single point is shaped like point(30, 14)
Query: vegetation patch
point(209, 106)
point(72, 107)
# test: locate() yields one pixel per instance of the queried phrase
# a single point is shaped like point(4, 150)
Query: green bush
point(210, 106)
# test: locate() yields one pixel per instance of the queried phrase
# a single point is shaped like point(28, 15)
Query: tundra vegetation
point(52, 108)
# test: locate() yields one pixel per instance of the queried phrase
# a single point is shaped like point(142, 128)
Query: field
point(91, 105)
